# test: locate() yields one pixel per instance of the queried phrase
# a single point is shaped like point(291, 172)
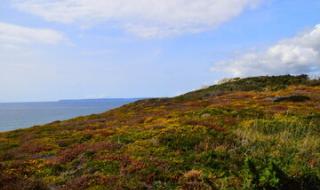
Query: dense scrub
point(229, 136)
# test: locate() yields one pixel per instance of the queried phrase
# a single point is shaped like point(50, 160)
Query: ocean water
point(23, 115)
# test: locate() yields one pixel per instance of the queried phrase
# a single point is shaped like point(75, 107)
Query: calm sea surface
point(22, 115)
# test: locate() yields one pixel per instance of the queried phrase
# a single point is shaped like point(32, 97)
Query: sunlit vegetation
point(229, 136)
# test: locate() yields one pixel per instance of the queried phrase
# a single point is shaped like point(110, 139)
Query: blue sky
point(67, 49)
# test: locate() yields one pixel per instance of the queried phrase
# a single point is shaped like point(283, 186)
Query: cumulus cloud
point(297, 55)
point(11, 35)
point(145, 18)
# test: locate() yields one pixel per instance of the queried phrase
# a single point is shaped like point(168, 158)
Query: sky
point(80, 49)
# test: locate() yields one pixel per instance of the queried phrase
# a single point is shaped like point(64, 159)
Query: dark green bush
point(267, 175)
point(294, 98)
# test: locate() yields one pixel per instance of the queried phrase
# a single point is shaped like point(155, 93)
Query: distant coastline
point(100, 100)
point(17, 115)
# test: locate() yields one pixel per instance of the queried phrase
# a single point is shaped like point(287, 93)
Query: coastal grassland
point(229, 136)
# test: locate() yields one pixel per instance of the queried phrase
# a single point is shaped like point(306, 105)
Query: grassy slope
point(229, 136)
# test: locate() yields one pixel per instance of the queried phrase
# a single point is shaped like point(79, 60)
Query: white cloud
point(145, 18)
point(12, 35)
point(300, 54)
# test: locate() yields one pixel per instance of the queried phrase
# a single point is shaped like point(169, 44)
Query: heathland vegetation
point(260, 133)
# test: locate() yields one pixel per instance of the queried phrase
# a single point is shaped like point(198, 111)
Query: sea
point(23, 115)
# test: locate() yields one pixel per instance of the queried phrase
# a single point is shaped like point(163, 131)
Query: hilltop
point(251, 133)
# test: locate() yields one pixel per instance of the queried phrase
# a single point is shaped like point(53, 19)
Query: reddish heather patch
point(83, 182)
point(279, 108)
point(131, 166)
point(35, 147)
point(239, 96)
point(207, 123)
point(313, 163)
point(127, 164)
point(229, 121)
point(71, 153)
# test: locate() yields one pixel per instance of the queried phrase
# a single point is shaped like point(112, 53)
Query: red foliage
point(127, 164)
point(17, 178)
point(229, 121)
point(71, 153)
point(279, 108)
point(83, 182)
point(35, 147)
point(131, 167)
point(207, 123)
point(103, 146)
point(102, 132)
point(236, 96)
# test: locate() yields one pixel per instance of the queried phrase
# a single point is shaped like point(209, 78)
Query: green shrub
point(267, 175)
point(183, 138)
point(106, 167)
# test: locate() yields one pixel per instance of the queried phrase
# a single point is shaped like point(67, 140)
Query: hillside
point(253, 133)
